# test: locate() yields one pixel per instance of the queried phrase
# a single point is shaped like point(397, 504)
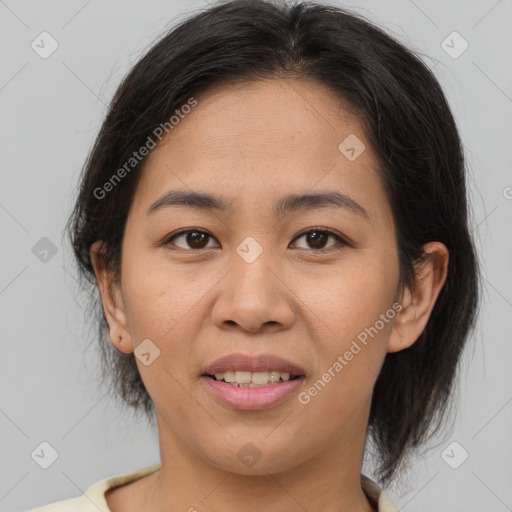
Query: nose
point(254, 296)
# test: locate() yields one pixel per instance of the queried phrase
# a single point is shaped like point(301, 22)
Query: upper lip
point(253, 363)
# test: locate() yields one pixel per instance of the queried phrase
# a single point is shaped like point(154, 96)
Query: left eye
point(317, 238)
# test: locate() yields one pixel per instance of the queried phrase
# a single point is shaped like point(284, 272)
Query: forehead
point(276, 114)
point(252, 142)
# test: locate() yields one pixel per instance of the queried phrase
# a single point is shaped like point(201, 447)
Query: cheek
point(349, 359)
point(349, 299)
point(162, 303)
point(354, 315)
point(156, 294)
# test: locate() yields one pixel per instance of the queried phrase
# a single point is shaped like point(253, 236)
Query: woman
point(274, 214)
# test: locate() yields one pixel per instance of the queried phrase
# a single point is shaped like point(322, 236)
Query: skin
point(252, 144)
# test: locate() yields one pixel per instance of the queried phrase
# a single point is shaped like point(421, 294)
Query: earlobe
point(417, 303)
point(111, 298)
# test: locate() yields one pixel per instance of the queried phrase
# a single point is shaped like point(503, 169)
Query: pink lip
point(252, 399)
point(256, 363)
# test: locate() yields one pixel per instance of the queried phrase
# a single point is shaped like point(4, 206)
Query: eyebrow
point(289, 203)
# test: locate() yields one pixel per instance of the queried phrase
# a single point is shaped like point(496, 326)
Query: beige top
point(93, 500)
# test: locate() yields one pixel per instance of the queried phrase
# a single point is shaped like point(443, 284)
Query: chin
point(253, 458)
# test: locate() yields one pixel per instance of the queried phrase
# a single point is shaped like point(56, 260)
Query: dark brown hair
point(408, 123)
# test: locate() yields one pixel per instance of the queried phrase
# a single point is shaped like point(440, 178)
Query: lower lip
point(252, 399)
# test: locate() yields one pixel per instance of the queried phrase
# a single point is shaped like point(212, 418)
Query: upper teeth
point(240, 377)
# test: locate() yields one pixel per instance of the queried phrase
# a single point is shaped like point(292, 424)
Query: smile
point(245, 379)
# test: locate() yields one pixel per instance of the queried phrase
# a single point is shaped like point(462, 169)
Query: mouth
point(245, 379)
point(252, 383)
point(259, 370)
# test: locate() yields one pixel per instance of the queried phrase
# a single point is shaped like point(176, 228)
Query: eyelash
point(329, 232)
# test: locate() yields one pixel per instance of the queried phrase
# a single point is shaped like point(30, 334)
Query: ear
point(417, 304)
point(111, 296)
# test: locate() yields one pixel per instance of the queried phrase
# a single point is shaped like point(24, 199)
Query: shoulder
point(93, 499)
point(79, 504)
point(377, 496)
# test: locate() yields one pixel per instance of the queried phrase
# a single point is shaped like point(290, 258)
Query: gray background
point(51, 110)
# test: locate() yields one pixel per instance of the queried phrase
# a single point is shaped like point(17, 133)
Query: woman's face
point(248, 282)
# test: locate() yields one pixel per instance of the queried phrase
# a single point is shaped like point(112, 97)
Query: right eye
point(196, 239)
